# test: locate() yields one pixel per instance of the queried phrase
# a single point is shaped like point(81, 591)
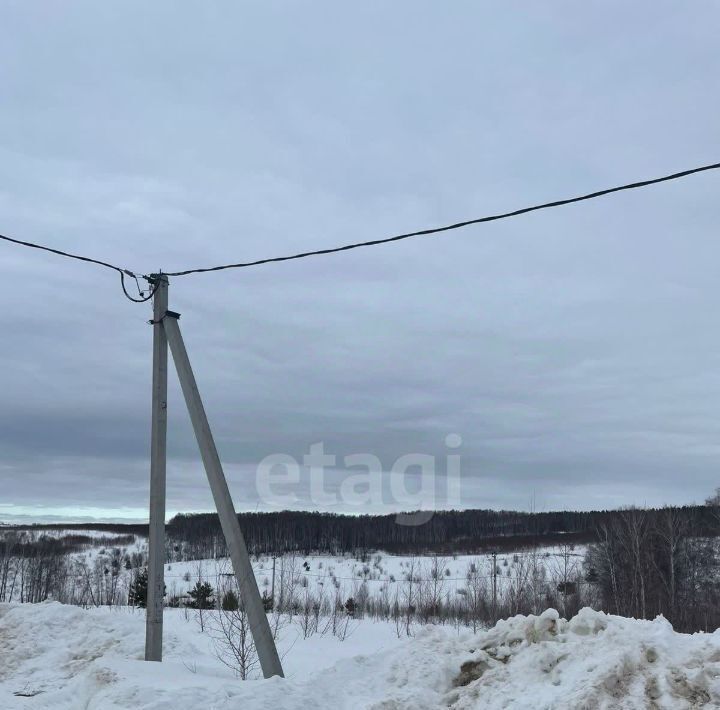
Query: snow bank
point(592, 661)
point(65, 658)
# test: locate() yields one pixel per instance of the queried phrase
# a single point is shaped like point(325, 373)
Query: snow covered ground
point(66, 658)
point(381, 572)
point(378, 575)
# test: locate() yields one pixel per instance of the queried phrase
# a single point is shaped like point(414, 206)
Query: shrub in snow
point(202, 595)
point(268, 602)
point(230, 601)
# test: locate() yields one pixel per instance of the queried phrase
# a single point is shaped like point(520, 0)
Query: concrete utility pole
point(259, 626)
point(158, 448)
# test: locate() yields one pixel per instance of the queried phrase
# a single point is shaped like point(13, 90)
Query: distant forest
point(199, 535)
point(467, 531)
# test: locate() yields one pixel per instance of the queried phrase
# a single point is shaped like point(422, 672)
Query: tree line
point(196, 536)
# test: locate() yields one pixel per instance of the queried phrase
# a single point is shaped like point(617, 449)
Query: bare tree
point(410, 593)
point(431, 592)
point(229, 628)
point(564, 569)
point(476, 593)
point(671, 532)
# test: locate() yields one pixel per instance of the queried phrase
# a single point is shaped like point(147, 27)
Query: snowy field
point(382, 574)
point(101, 572)
point(65, 658)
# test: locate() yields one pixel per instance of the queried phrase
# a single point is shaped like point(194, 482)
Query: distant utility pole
point(158, 451)
point(272, 588)
point(167, 322)
point(494, 593)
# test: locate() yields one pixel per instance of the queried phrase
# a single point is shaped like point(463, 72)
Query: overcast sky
point(575, 351)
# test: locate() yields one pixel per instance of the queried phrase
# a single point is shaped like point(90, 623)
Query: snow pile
point(64, 658)
point(592, 661)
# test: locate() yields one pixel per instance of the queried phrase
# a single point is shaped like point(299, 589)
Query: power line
point(347, 247)
point(59, 252)
point(123, 272)
point(449, 227)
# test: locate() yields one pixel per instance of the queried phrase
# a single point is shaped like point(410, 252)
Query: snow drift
point(65, 658)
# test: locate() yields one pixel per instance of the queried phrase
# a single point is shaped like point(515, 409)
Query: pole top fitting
point(154, 278)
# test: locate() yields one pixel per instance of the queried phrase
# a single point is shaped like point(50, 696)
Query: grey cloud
point(574, 351)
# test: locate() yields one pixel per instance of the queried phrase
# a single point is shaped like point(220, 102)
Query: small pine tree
point(137, 594)
point(138, 591)
point(202, 596)
point(230, 601)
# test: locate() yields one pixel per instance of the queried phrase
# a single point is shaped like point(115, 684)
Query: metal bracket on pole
point(259, 626)
point(158, 449)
